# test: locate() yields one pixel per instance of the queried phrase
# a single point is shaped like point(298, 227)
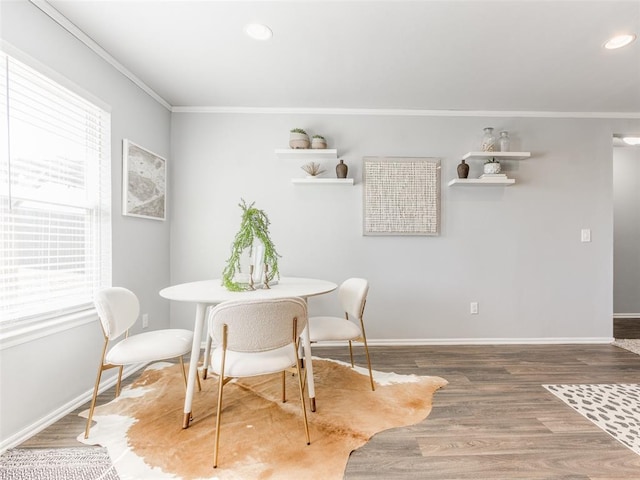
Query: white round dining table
point(206, 293)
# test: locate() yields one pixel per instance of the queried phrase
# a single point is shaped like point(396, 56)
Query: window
point(55, 219)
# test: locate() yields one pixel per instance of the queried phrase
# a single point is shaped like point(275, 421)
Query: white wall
point(42, 376)
point(626, 241)
point(515, 250)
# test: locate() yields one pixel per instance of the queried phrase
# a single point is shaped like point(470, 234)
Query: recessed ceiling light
point(631, 140)
point(619, 41)
point(258, 31)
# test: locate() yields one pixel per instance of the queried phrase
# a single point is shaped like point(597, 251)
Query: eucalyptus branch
point(254, 225)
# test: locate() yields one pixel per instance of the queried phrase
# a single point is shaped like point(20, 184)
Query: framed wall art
point(144, 182)
point(401, 196)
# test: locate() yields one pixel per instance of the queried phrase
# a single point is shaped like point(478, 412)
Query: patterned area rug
point(261, 437)
point(613, 408)
point(80, 463)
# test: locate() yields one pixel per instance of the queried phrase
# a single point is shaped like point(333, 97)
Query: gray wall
point(626, 240)
point(44, 375)
point(515, 250)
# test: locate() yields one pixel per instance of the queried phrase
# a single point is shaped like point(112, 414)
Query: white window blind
point(55, 233)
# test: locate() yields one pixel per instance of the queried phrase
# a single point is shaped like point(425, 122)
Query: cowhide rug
point(260, 437)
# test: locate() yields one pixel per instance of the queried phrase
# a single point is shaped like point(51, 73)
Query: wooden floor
point(626, 328)
point(494, 420)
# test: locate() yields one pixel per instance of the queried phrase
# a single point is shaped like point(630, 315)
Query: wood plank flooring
point(626, 328)
point(493, 420)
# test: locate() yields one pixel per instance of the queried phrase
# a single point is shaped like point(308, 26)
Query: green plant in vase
point(491, 166)
point(254, 225)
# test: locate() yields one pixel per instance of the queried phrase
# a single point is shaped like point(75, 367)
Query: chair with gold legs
point(118, 310)
point(352, 294)
point(256, 337)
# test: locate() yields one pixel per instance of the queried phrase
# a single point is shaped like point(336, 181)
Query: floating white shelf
point(498, 155)
point(481, 182)
point(307, 153)
point(322, 181)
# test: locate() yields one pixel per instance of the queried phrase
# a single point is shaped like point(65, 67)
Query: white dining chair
point(352, 295)
point(118, 310)
point(256, 337)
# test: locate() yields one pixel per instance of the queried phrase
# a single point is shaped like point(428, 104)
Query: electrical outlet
point(145, 320)
point(473, 308)
point(585, 235)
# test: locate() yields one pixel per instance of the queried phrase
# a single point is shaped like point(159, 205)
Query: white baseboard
point(626, 315)
point(399, 342)
point(31, 430)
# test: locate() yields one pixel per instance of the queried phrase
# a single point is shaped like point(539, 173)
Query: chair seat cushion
point(151, 346)
point(251, 364)
point(332, 328)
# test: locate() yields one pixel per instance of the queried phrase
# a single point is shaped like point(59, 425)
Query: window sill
point(18, 335)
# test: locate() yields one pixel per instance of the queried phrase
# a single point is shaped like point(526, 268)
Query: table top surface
point(212, 291)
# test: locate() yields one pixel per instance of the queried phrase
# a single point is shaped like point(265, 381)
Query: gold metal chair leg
point(351, 353)
point(206, 356)
point(284, 386)
point(184, 375)
point(218, 418)
point(93, 403)
point(366, 351)
point(220, 387)
point(303, 404)
point(119, 380)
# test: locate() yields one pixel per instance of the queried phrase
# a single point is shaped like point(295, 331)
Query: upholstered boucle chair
point(352, 295)
point(118, 310)
point(256, 337)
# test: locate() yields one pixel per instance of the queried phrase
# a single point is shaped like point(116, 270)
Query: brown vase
point(463, 170)
point(341, 170)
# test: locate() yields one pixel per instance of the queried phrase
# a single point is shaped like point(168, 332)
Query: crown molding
point(65, 23)
point(402, 112)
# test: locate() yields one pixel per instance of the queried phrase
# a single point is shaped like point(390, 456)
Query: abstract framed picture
point(401, 196)
point(144, 182)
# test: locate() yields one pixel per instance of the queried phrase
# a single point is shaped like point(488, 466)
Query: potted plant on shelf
point(298, 138)
point(318, 141)
point(254, 237)
point(491, 166)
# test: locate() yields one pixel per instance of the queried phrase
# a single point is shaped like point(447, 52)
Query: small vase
point(341, 170)
point(488, 140)
point(505, 142)
point(463, 170)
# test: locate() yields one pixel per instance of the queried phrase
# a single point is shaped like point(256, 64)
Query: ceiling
point(514, 56)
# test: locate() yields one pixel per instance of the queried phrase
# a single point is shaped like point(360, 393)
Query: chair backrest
point(258, 325)
point(353, 295)
point(118, 309)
